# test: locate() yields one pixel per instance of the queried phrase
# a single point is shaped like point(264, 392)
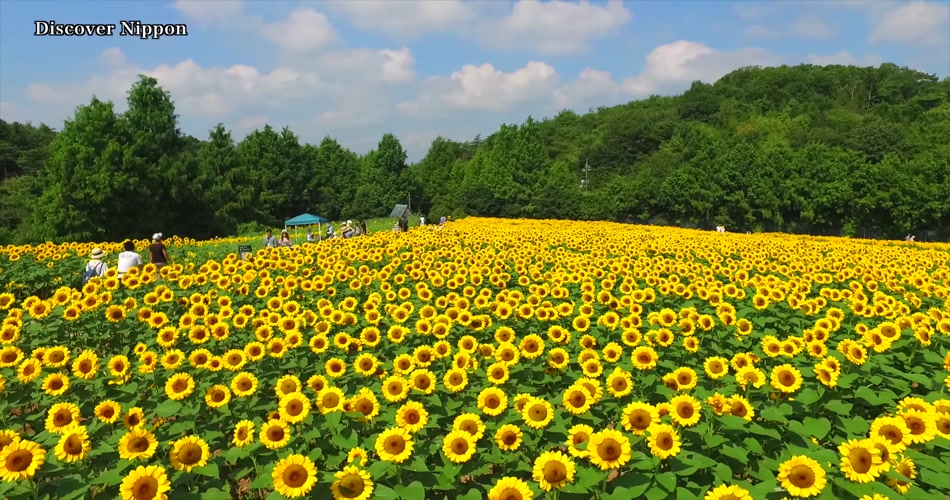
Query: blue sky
point(359, 68)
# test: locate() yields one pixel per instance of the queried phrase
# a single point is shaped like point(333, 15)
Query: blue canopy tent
point(306, 220)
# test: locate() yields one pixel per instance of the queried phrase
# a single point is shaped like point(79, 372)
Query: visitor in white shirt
point(128, 259)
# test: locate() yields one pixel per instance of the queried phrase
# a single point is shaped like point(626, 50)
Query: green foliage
point(823, 150)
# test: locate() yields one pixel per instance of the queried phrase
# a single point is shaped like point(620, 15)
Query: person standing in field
point(95, 267)
point(157, 253)
point(269, 239)
point(128, 259)
point(285, 240)
point(310, 237)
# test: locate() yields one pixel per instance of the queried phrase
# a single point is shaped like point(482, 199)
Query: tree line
point(835, 150)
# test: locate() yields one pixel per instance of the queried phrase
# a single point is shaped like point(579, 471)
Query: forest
point(829, 150)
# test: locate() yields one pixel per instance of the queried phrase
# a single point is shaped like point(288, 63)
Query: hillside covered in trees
point(821, 150)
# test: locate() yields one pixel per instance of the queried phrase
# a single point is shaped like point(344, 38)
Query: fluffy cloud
point(921, 24)
point(211, 91)
point(483, 88)
point(845, 58)
point(554, 27)
point(811, 27)
point(305, 29)
point(251, 123)
point(681, 62)
point(392, 66)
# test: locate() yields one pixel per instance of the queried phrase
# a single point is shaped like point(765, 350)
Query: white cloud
point(922, 24)
point(845, 58)
point(113, 57)
point(484, 88)
point(554, 27)
point(251, 123)
point(393, 66)
point(402, 19)
point(305, 29)
point(682, 62)
point(397, 68)
point(591, 88)
point(811, 27)
point(212, 91)
point(337, 119)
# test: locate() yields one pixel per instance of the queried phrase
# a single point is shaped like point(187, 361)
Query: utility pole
point(409, 201)
point(586, 171)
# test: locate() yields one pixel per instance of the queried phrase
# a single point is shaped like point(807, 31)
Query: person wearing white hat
point(95, 266)
point(348, 229)
point(157, 253)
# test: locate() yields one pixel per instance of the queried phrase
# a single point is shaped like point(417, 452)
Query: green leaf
point(262, 481)
point(666, 480)
point(70, 488)
point(215, 494)
point(807, 396)
point(209, 470)
point(472, 494)
point(817, 427)
point(414, 491)
point(383, 492)
point(168, 408)
point(839, 407)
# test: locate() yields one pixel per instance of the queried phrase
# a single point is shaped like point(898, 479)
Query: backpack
point(91, 273)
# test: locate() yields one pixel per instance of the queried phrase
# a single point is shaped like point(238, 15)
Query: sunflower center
point(190, 454)
point(459, 446)
point(19, 460)
point(294, 408)
point(802, 476)
point(395, 444)
point(331, 400)
point(145, 488)
point(295, 476)
point(139, 445)
point(275, 434)
point(609, 450)
point(509, 438)
point(73, 445)
point(664, 442)
point(538, 413)
point(510, 494)
point(62, 418)
point(685, 410)
point(217, 396)
point(554, 472)
point(412, 417)
point(351, 486)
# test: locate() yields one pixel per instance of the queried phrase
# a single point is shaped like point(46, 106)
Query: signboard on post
point(244, 251)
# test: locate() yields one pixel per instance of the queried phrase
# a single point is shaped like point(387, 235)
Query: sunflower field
point(499, 359)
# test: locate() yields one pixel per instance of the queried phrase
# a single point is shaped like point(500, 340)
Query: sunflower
point(577, 400)
point(358, 456)
point(686, 410)
point(664, 441)
point(638, 417)
point(724, 492)
point(137, 443)
point(73, 444)
point(786, 378)
point(56, 384)
point(492, 401)
point(189, 453)
point(335, 368)
point(394, 445)
point(579, 435)
point(179, 386)
point(288, 384)
point(412, 416)
point(537, 413)
point(470, 423)
point(750, 375)
point(20, 460)
point(894, 431)
point(294, 476)
point(508, 437)
point(244, 384)
point(330, 399)
point(133, 418)
point(739, 406)
point(7, 437)
point(619, 383)
point(552, 470)
point(62, 416)
point(455, 380)
point(352, 484)
point(860, 460)
point(716, 367)
point(29, 370)
point(609, 449)
point(903, 466)
point(217, 396)
point(294, 407)
point(275, 434)
point(802, 476)
point(922, 426)
point(644, 358)
point(510, 488)
point(395, 389)
point(243, 433)
point(458, 446)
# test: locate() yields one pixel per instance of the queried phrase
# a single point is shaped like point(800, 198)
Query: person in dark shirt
point(157, 253)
